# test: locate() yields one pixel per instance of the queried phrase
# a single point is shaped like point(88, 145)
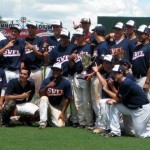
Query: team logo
point(54, 92)
point(137, 55)
point(10, 53)
point(62, 59)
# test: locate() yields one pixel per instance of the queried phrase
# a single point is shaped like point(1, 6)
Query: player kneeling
point(18, 95)
point(55, 93)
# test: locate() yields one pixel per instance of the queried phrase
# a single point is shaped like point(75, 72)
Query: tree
point(1, 20)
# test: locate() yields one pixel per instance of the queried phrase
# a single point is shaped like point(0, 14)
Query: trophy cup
point(86, 60)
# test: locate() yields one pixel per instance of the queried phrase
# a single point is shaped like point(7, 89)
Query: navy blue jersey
point(125, 44)
point(131, 94)
point(30, 57)
point(12, 56)
point(130, 76)
point(60, 55)
point(14, 87)
point(101, 49)
point(81, 50)
point(3, 82)
point(61, 90)
point(141, 60)
point(52, 42)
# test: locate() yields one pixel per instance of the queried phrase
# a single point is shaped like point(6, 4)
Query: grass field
point(68, 138)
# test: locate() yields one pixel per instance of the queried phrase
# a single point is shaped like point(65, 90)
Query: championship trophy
point(86, 61)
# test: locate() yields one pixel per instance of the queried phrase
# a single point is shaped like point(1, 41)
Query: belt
point(139, 76)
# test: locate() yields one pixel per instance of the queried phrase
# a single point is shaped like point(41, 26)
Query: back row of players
point(126, 43)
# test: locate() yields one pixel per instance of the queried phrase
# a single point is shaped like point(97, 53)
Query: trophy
point(86, 61)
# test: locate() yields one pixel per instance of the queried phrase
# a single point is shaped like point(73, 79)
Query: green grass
point(32, 138)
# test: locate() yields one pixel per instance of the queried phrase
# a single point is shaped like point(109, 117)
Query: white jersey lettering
point(137, 55)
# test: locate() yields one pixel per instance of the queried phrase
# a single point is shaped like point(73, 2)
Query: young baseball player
point(141, 60)
point(18, 95)
point(81, 85)
point(33, 56)
point(130, 100)
point(50, 43)
point(11, 52)
point(55, 95)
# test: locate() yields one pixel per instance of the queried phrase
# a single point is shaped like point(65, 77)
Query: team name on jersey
point(27, 51)
point(50, 48)
point(62, 59)
point(10, 53)
point(116, 51)
point(78, 58)
point(54, 92)
point(137, 55)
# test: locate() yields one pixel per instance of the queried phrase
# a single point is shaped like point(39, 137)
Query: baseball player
point(55, 95)
point(33, 55)
point(51, 42)
point(81, 85)
point(120, 47)
point(18, 95)
point(11, 52)
point(100, 50)
point(130, 33)
point(141, 60)
point(60, 54)
point(3, 84)
point(130, 100)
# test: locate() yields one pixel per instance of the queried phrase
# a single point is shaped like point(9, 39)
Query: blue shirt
point(3, 82)
point(30, 57)
point(131, 94)
point(12, 56)
point(61, 90)
point(14, 87)
point(141, 60)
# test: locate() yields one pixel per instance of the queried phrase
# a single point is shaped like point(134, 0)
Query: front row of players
point(123, 98)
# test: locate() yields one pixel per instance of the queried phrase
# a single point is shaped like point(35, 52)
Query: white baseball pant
point(140, 118)
point(26, 109)
point(50, 114)
point(96, 93)
point(11, 74)
point(83, 100)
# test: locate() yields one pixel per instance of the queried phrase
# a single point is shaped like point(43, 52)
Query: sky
point(71, 10)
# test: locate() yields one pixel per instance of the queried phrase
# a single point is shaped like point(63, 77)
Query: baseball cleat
point(98, 130)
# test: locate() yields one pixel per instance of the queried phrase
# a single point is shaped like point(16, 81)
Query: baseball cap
point(88, 20)
point(125, 62)
point(99, 29)
point(79, 31)
point(57, 66)
point(65, 32)
point(108, 58)
point(131, 23)
point(57, 23)
point(16, 26)
point(119, 25)
point(143, 29)
point(118, 68)
point(31, 23)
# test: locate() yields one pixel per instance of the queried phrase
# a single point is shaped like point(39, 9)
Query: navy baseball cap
point(131, 23)
point(143, 29)
point(119, 25)
point(32, 23)
point(125, 62)
point(16, 26)
point(65, 32)
point(99, 29)
point(108, 58)
point(79, 31)
point(88, 20)
point(57, 66)
point(56, 23)
point(118, 68)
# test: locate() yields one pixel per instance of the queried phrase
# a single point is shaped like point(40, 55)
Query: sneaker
point(111, 134)
point(98, 130)
point(42, 125)
point(90, 127)
point(75, 125)
point(81, 127)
